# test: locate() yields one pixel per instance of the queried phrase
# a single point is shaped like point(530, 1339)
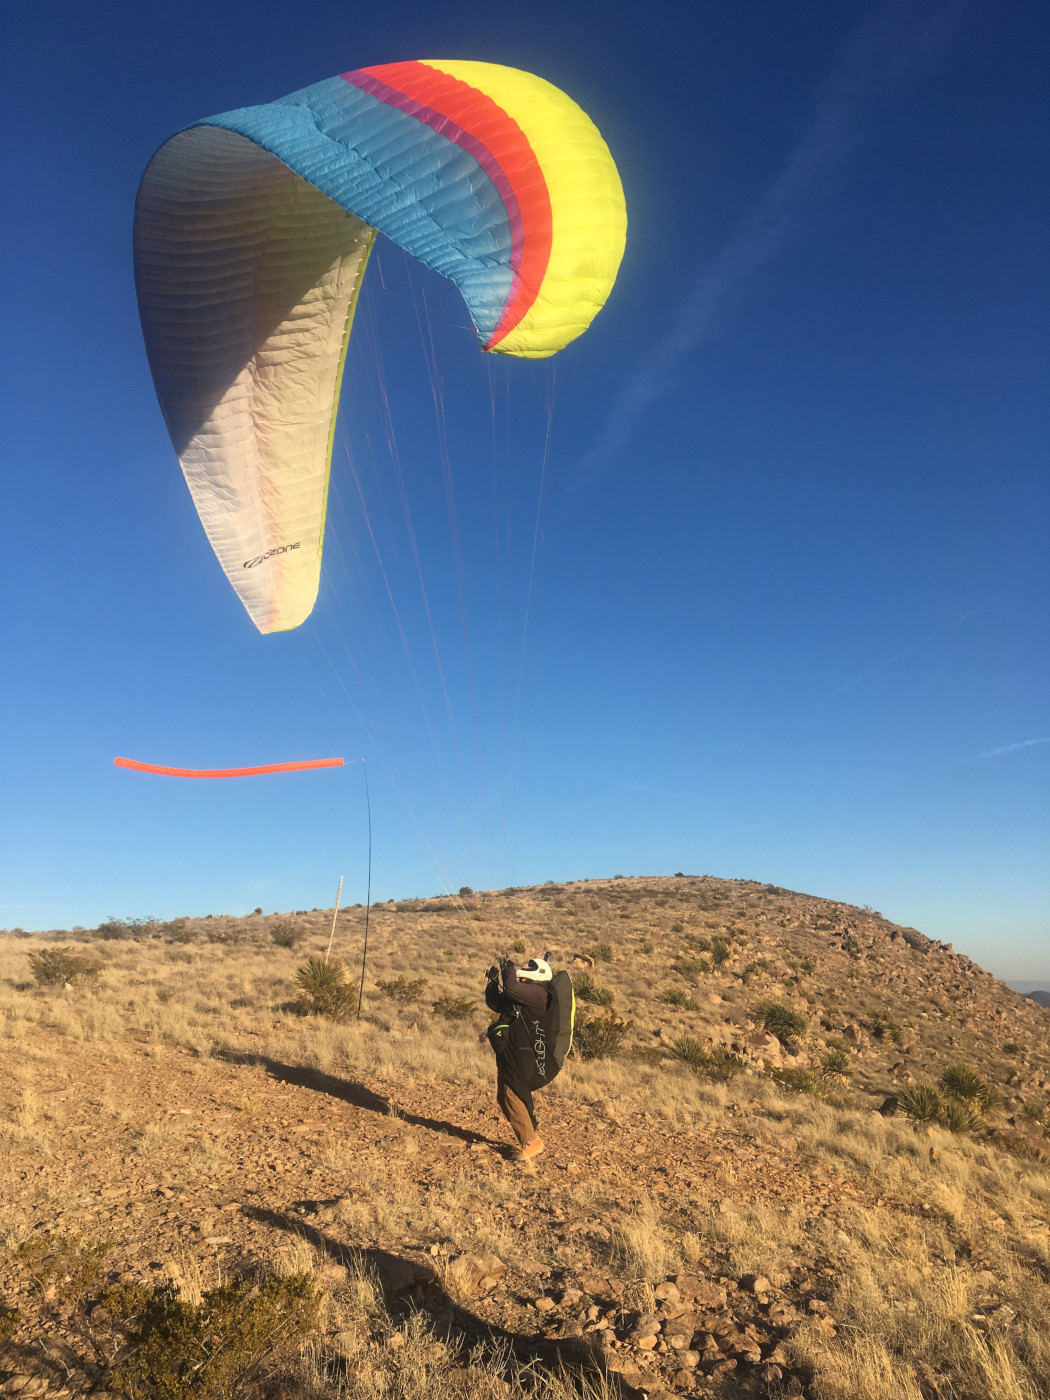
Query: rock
point(667, 1293)
point(890, 1105)
point(24, 1387)
point(544, 1304)
point(569, 1296)
point(644, 1343)
point(700, 1292)
point(770, 1374)
point(757, 1284)
point(688, 1359)
point(469, 1271)
point(678, 1341)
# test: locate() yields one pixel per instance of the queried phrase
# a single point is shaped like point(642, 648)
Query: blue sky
point(751, 581)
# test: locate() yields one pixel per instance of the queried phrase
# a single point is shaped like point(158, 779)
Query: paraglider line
point(368, 893)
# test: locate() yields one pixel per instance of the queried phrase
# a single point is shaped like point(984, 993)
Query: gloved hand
point(506, 966)
point(492, 975)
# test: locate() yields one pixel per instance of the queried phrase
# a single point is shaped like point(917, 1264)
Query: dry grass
point(931, 1249)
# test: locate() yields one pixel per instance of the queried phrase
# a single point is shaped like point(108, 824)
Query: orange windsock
point(228, 772)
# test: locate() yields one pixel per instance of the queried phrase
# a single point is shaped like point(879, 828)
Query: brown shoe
point(534, 1148)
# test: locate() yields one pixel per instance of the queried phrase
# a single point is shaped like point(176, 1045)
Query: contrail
point(895, 38)
point(1012, 748)
point(906, 650)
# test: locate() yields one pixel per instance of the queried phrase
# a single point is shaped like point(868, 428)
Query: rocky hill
point(801, 1151)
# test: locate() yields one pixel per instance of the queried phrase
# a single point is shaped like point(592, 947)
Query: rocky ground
point(677, 1236)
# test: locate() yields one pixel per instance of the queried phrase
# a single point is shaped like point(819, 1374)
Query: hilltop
point(802, 1151)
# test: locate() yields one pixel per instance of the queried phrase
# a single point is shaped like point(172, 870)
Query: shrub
point(519, 946)
point(587, 989)
point(692, 967)
point(647, 946)
point(920, 1102)
point(454, 1008)
point(69, 1262)
point(677, 928)
point(836, 1042)
point(1011, 1048)
point(324, 990)
point(55, 967)
point(402, 990)
point(465, 891)
point(286, 934)
point(964, 1083)
point(781, 1019)
point(257, 909)
point(719, 1064)
point(225, 1347)
point(836, 1065)
point(676, 996)
point(800, 1081)
point(599, 1037)
point(701, 945)
point(958, 1116)
point(883, 1026)
point(719, 951)
point(600, 952)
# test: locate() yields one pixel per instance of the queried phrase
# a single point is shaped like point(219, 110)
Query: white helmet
point(535, 970)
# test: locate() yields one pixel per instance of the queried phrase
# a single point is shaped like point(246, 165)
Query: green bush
point(519, 946)
point(67, 1262)
point(920, 1102)
point(720, 951)
point(676, 996)
point(964, 1083)
point(1011, 1048)
point(226, 1347)
point(324, 990)
point(718, 1064)
point(587, 989)
point(836, 1065)
point(56, 967)
point(402, 990)
point(692, 967)
point(454, 1008)
point(782, 1020)
point(958, 1116)
point(677, 928)
point(599, 1037)
point(801, 1081)
point(600, 952)
point(647, 946)
point(286, 934)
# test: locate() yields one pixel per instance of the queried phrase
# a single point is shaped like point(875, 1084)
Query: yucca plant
point(964, 1083)
point(719, 1064)
point(782, 1020)
point(836, 1065)
point(324, 990)
point(600, 952)
point(920, 1102)
point(676, 996)
point(958, 1116)
point(587, 989)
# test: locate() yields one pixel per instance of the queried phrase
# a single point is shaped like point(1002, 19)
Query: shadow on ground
point(352, 1092)
point(407, 1286)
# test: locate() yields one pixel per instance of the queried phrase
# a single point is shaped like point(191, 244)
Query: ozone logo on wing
point(260, 558)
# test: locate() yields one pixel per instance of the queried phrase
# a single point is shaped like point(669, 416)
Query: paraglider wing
point(252, 234)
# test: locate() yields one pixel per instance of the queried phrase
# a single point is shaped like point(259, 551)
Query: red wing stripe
point(228, 772)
